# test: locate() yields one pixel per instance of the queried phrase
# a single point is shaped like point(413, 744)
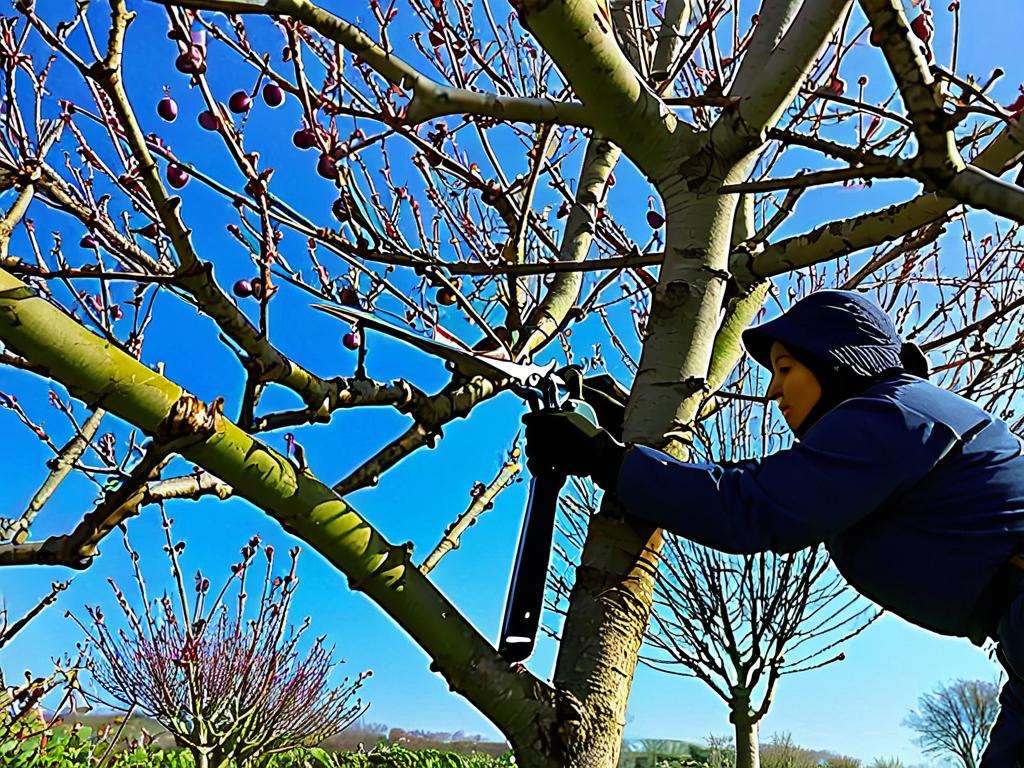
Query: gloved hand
point(569, 443)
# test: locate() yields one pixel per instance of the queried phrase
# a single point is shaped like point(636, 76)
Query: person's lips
point(784, 409)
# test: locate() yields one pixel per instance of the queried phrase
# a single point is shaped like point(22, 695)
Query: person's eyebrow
point(776, 360)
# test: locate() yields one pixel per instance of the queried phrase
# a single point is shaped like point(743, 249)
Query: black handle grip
point(529, 574)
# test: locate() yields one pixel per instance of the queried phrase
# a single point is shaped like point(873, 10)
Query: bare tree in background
point(226, 676)
point(955, 719)
point(469, 169)
point(740, 623)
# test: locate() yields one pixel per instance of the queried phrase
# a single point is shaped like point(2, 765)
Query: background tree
point(470, 172)
point(233, 685)
point(955, 719)
point(740, 624)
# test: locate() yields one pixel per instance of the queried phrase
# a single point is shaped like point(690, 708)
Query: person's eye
point(783, 370)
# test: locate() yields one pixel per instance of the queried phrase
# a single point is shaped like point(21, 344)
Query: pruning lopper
point(544, 388)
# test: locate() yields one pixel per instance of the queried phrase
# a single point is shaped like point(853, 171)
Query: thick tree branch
point(980, 189)
point(670, 37)
point(774, 20)
point(840, 238)
point(767, 85)
point(562, 294)
point(103, 376)
point(921, 92)
point(580, 38)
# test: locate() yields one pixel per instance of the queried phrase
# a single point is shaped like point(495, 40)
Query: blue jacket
point(916, 492)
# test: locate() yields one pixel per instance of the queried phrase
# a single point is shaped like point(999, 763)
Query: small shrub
point(782, 752)
point(389, 756)
point(840, 761)
point(77, 747)
point(228, 682)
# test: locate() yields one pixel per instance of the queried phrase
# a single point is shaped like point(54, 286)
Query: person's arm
point(851, 461)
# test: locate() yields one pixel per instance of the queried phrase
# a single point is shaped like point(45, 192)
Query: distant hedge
point(79, 749)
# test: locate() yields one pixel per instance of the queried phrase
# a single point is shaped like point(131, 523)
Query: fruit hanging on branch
point(326, 167)
point(304, 138)
point(177, 176)
point(209, 121)
point(273, 95)
point(167, 108)
point(654, 219)
point(239, 103)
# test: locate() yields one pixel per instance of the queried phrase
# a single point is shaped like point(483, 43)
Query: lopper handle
point(530, 571)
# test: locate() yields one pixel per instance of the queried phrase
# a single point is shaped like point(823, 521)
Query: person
point(917, 493)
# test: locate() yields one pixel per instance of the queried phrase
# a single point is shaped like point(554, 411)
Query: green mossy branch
point(103, 376)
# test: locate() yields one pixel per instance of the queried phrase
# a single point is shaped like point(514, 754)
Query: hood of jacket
point(843, 329)
point(847, 341)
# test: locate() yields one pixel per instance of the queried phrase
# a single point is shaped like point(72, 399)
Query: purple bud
point(273, 95)
point(167, 109)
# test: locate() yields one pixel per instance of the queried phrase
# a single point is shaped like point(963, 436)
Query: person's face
point(793, 386)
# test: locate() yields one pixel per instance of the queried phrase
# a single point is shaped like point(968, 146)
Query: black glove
point(569, 443)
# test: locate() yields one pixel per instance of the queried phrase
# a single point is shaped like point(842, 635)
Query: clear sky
point(855, 707)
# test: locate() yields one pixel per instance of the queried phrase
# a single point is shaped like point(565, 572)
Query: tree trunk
point(748, 753)
point(613, 591)
point(608, 613)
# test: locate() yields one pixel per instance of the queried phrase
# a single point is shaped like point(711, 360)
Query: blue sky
point(855, 707)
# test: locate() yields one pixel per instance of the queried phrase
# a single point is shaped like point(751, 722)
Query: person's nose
point(774, 389)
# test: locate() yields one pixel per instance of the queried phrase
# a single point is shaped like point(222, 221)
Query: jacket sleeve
point(856, 457)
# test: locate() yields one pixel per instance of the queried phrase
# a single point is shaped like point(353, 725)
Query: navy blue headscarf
point(847, 341)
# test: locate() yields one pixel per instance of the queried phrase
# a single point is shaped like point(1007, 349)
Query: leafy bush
point(389, 756)
point(79, 748)
point(75, 747)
